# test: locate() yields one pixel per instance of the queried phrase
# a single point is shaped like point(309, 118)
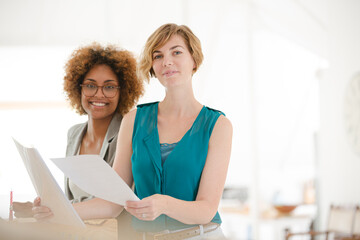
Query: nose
point(99, 93)
point(167, 61)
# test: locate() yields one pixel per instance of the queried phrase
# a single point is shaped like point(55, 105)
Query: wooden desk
point(102, 229)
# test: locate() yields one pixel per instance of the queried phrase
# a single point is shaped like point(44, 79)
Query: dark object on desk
point(341, 224)
point(352, 238)
point(238, 193)
point(285, 209)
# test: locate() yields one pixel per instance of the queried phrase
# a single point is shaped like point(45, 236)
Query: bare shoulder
point(129, 118)
point(223, 124)
point(127, 125)
point(222, 131)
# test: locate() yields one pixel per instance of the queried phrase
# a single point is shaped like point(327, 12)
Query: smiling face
point(173, 63)
point(99, 106)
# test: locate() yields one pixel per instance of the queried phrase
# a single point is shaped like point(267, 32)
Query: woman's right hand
point(23, 209)
point(41, 213)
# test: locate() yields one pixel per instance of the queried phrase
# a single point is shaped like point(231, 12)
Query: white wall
point(339, 167)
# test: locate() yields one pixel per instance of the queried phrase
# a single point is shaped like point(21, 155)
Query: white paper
point(47, 188)
point(93, 175)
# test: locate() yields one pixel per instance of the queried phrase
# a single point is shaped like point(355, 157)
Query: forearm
point(97, 208)
point(190, 212)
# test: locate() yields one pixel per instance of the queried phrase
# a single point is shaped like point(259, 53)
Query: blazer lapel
point(111, 133)
point(75, 140)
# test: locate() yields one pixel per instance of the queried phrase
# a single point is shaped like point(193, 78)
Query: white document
point(47, 188)
point(93, 175)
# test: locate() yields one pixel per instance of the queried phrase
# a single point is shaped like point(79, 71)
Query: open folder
point(47, 188)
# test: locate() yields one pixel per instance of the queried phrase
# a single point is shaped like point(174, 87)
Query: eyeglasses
point(90, 90)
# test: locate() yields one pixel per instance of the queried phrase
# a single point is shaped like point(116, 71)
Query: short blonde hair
point(159, 38)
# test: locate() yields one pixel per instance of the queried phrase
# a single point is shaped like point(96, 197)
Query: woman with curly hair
point(100, 82)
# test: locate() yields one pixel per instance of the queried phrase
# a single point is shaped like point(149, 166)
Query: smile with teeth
point(98, 104)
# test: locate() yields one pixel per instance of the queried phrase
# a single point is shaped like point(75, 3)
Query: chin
point(101, 116)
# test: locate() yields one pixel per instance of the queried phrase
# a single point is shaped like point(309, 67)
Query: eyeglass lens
point(90, 90)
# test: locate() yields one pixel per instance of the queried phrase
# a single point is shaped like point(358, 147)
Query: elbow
point(203, 220)
point(114, 211)
point(207, 216)
point(117, 212)
point(210, 212)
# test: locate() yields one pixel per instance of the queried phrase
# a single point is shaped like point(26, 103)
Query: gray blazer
point(107, 152)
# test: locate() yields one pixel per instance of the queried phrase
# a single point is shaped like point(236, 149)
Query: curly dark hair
point(123, 64)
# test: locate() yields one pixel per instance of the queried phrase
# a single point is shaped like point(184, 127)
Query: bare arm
point(204, 208)
point(99, 208)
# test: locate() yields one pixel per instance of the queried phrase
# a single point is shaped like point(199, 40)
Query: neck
point(179, 102)
point(97, 128)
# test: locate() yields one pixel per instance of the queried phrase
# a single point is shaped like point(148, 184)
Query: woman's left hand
point(147, 209)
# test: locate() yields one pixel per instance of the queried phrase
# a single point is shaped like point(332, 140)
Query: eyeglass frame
point(97, 88)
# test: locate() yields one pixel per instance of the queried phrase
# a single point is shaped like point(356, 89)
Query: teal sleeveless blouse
point(179, 176)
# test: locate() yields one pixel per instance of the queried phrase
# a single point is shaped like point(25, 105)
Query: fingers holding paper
point(147, 209)
point(41, 213)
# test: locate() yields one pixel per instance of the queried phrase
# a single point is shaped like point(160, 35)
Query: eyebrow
point(106, 81)
point(176, 46)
